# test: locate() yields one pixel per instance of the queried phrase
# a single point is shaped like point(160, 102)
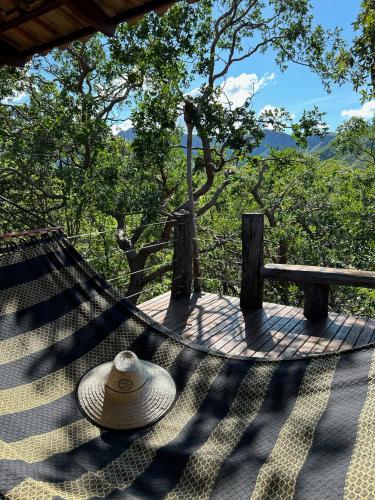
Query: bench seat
point(319, 275)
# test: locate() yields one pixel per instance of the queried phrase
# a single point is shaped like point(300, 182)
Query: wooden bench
point(314, 279)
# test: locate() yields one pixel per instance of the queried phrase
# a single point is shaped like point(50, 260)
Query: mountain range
point(272, 139)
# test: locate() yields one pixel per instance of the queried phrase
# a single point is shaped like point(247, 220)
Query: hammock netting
point(239, 429)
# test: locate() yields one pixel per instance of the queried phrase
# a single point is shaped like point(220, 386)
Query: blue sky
point(298, 88)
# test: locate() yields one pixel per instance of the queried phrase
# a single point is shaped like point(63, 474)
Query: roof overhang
point(28, 27)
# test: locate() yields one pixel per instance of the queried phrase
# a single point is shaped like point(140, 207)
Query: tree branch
point(159, 272)
point(212, 202)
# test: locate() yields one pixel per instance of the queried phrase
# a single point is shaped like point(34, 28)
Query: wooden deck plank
point(368, 330)
point(300, 334)
point(335, 342)
point(217, 326)
point(283, 337)
point(342, 334)
point(158, 310)
point(182, 319)
point(283, 326)
point(220, 339)
point(276, 331)
point(355, 333)
point(157, 299)
point(227, 319)
point(176, 314)
point(254, 339)
point(215, 323)
point(309, 339)
point(279, 331)
point(253, 326)
point(175, 310)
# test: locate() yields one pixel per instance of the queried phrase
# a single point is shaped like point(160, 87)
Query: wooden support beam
point(90, 30)
point(316, 301)
point(141, 10)
point(58, 42)
point(93, 15)
point(182, 256)
point(252, 259)
point(9, 55)
point(30, 15)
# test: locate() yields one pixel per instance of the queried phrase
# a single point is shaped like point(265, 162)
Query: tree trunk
point(189, 178)
point(137, 279)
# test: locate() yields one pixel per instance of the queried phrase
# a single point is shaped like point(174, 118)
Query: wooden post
point(182, 256)
point(316, 301)
point(252, 259)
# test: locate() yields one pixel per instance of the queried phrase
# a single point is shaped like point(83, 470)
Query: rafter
point(86, 9)
point(30, 15)
point(84, 32)
point(93, 15)
point(143, 9)
point(9, 55)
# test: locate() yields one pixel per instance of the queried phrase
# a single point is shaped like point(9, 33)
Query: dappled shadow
point(275, 331)
point(179, 311)
point(50, 441)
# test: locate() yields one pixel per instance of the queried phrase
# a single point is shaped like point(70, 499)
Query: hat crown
point(127, 393)
point(127, 373)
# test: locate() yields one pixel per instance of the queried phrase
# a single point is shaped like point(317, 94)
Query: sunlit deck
point(276, 331)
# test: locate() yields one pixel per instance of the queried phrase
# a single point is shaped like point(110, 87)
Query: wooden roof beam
point(119, 18)
point(143, 9)
point(30, 15)
point(9, 55)
point(128, 15)
point(93, 15)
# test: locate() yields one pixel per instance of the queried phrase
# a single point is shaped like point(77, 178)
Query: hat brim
point(137, 409)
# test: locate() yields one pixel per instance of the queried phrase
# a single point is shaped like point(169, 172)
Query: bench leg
point(316, 301)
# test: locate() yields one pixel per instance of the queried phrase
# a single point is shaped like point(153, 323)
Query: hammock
point(240, 428)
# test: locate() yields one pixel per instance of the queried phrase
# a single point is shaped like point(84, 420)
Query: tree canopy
point(60, 157)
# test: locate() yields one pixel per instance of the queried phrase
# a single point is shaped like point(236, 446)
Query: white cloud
point(367, 110)
point(195, 92)
point(122, 127)
point(278, 112)
point(237, 89)
point(268, 107)
point(16, 98)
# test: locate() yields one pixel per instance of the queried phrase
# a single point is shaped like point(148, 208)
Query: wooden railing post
point(252, 259)
point(315, 305)
point(182, 256)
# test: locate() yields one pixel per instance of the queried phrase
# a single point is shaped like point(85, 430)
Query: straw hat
point(126, 393)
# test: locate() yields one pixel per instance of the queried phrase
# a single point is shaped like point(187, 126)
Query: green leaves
point(311, 123)
point(357, 62)
point(356, 137)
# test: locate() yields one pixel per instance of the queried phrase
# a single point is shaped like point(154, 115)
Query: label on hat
point(125, 384)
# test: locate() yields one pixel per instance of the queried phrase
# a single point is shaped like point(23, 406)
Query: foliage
point(356, 137)
point(317, 213)
point(363, 51)
point(357, 62)
point(60, 159)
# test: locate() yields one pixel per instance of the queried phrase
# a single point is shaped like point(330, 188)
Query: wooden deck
point(276, 331)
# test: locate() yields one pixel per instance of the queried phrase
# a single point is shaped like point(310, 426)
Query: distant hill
point(277, 140)
point(281, 140)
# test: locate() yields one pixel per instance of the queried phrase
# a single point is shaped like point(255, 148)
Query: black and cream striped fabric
point(239, 429)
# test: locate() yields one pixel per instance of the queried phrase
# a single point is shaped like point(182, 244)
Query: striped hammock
point(240, 428)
